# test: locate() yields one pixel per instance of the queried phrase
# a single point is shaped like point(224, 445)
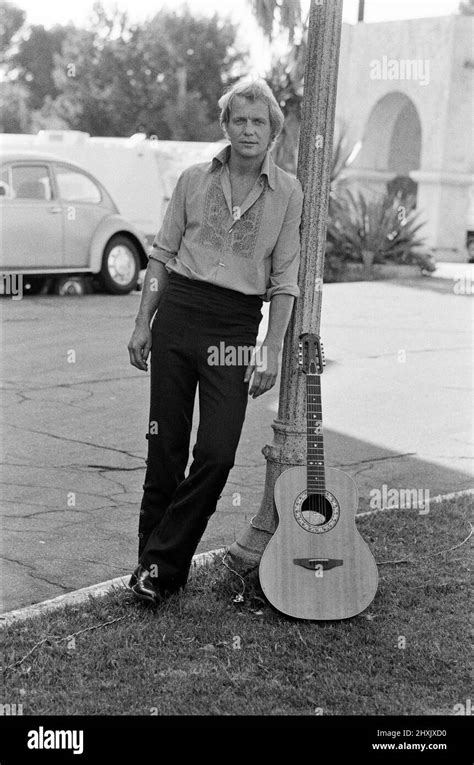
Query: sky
point(249, 36)
point(49, 12)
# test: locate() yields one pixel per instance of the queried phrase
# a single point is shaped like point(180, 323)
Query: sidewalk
point(396, 409)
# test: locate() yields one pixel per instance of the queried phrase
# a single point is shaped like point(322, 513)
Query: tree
point(166, 75)
point(12, 19)
point(466, 8)
point(283, 20)
point(112, 75)
point(193, 59)
point(278, 15)
point(15, 114)
point(33, 63)
point(188, 119)
point(97, 93)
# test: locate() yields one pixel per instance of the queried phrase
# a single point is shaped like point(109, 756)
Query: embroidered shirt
point(254, 250)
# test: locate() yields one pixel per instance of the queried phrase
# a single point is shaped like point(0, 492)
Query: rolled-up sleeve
point(285, 257)
point(166, 243)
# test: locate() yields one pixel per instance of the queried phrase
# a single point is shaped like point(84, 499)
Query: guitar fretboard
point(314, 436)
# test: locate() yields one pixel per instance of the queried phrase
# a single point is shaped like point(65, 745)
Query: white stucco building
point(405, 91)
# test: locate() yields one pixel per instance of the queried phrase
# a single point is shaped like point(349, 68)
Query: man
point(229, 240)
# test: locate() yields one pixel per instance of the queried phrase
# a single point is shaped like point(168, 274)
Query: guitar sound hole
point(316, 510)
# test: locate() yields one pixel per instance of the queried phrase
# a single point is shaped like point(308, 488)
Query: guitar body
point(322, 570)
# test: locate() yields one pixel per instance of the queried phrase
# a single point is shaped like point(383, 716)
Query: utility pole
point(360, 13)
point(314, 169)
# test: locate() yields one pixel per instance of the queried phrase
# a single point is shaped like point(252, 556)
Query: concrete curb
point(95, 590)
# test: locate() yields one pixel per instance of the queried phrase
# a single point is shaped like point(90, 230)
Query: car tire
point(36, 285)
point(72, 285)
point(120, 265)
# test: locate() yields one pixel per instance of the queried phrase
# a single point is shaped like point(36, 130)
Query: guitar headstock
point(311, 354)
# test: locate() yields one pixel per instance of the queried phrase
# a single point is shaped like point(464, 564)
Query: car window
point(76, 187)
point(31, 182)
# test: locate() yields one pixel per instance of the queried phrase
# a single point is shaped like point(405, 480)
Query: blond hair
point(254, 89)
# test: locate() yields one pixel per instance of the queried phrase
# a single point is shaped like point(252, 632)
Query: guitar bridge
point(317, 563)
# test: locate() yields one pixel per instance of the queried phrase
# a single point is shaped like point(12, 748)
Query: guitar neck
point(314, 436)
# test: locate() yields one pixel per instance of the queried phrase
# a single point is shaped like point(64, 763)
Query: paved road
point(396, 403)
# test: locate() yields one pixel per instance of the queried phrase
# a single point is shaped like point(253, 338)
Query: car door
point(84, 206)
point(30, 217)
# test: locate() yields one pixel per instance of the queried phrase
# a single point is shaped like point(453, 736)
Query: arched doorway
point(392, 138)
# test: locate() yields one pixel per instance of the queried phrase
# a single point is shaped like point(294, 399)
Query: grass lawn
point(203, 653)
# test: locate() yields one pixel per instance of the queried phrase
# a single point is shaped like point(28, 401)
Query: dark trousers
point(192, 317)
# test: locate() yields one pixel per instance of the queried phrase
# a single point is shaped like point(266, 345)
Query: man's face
point(249, 128)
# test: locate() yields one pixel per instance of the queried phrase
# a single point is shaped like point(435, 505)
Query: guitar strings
point(316, 501)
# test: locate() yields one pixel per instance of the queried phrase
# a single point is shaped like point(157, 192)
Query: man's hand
point(264, 367)
point(264, 364)
point(140, 345)
point(154, 285)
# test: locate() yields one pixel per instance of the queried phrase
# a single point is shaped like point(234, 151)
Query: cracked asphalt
point(397, 411)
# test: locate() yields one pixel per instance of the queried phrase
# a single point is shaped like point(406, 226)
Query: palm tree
point(284, 19)
point(285, 15)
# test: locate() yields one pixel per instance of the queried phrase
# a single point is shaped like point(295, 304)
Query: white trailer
point(138, 172)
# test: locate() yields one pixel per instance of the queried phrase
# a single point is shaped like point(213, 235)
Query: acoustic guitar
point(316, 565)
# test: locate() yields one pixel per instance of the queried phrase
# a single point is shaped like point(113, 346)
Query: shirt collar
point(268, 165)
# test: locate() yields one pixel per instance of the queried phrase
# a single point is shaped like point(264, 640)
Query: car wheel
point(120, 266)
point(36, 285)
point(72, 285)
